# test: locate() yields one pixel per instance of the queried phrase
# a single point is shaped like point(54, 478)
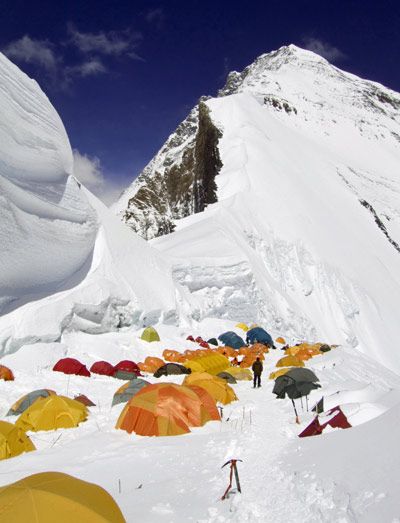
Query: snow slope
point(306, 231)
point(65, 261)
point(348, 475)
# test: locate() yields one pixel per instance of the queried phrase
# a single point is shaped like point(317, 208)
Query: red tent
point(199, 339)
point(102, 367)
point(190, 338)
point(335, 418)
point(127, 366)
point(71, 366)
point(204, 344)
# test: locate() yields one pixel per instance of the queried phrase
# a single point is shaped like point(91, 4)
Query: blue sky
point(122, 75)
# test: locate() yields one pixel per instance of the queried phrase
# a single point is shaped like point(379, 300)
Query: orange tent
point(280, 340)
point(207, 400)
point(258, 348)
point(290, 361)
point(227, 351)
point(6, 374)
point(163, 409)
point(173, 356)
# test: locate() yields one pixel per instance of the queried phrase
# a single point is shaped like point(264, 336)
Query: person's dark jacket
point(257, 368)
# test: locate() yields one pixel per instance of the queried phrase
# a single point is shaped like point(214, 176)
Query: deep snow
point(338, 476)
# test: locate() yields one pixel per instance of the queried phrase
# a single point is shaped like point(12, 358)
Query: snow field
point(178, 479)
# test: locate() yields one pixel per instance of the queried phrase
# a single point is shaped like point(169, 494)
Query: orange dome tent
point(280, 340)
point(163, 409)
point(207, 400)
point(6, 374)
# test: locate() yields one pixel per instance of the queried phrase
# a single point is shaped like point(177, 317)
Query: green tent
point(150, 334)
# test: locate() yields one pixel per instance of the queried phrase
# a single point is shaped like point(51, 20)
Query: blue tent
point(259, 335)
point(231, 339)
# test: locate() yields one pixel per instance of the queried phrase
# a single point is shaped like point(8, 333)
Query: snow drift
point(65, 260)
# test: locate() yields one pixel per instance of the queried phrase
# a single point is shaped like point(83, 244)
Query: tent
point(150, 334)
point(173, 356)
point(128, 390)
point(163, 409)
point(280, 340)
point(170, 369)
point(259, 335)
point(207, 400)
point(50, 497)
point(212, 362)
point(216, 387)
point(290, 361)
point(102, 367)
point(231, 339)
point(213, 341)
point(190, 338)
point(84, 400)
point(295, 383)
point(242, 326)
point(126, 370)
point(26, 401)
point(151, 364)
point(335, 418)
point(6, 373)
point(240, 374)
point(225, 375)
point(71, 366)
point(51, 413)
point(278, 373)
point(13, 441)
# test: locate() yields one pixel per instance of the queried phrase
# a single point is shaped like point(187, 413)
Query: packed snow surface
point(344, 475)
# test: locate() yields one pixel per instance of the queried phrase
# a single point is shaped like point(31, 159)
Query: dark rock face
point(180, 180)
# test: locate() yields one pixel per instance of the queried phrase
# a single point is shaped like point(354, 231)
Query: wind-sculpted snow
point(65, 260)
point(47, 227)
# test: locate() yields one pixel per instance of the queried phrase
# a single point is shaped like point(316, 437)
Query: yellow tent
point(53, 412)
point(213, 363)
point(51, 497)
point(150, 334)
point(280, 340)
point(13, 441)
point(290, 361)
point(278, 373)
point(239, 373)
point(218, 388)
point(242, 326)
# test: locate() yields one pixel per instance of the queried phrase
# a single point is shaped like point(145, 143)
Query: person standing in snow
point(257, 369)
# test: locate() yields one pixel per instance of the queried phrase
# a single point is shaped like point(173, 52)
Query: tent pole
point(301, 400)
point(295, 411)
point(307, 402)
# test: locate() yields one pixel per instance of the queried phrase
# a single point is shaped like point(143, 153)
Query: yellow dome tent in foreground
point(218, 388)
point(213, 363)
point(13, 441)
point(242, 326)
point(54, 412)
point(51, 497)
